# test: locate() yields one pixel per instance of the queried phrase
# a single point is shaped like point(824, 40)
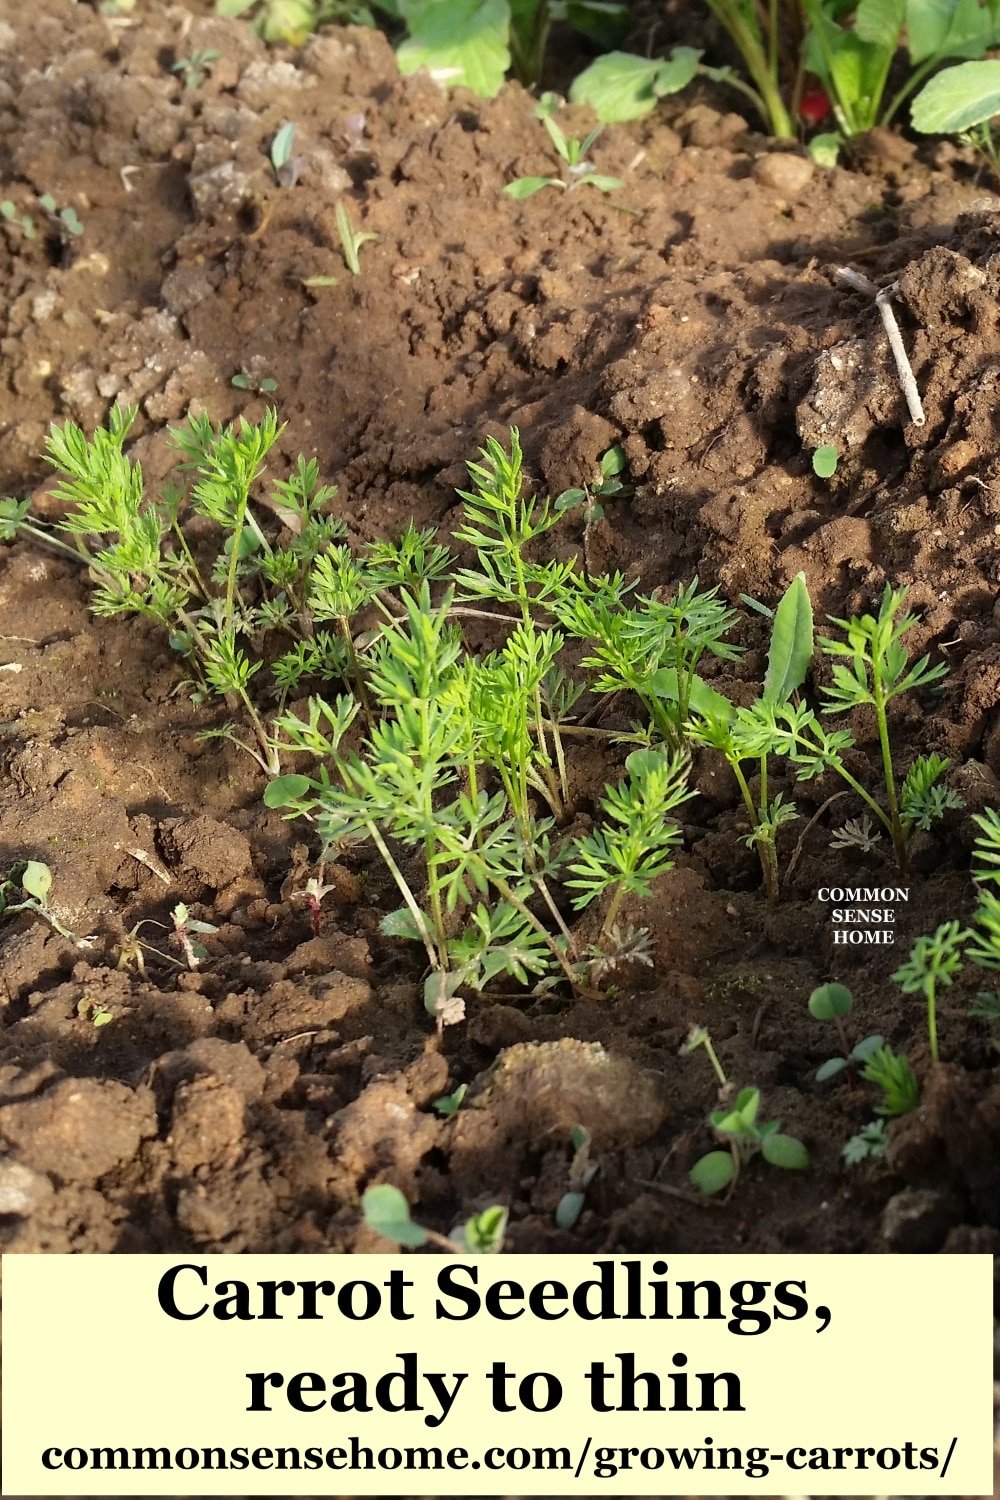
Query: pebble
point(783, 172)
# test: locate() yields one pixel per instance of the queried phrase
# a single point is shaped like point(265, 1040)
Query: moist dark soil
point(694, 318)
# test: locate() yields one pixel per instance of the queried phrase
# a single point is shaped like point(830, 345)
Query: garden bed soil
point(693, 317)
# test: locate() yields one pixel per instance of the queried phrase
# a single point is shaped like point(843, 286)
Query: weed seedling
point(736, 733)
point(736, 1125)
point(891, 1073)
point(871, 667)
point(870, 1143)
point(825, 461)
point(26, 887)
point(65, 220)
point(831, 1002)
point(245, 382)
point(932, 965)
point(582, 1172)
point(287, 167)
point(195, 68)
point(577, 170)
point(387, 1212)
point(186, 929)
point(450, 1104)
point(698, 1037)
point(10, 214)
point(350, 238)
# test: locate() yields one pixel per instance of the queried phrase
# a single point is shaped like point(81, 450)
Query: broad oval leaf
point(867, 1048)
point(400, 923)
point(830, 1069)
point(569, 1209)
point(880, 21)
point(829, 1000)
point(525, 187)
point(677, 72)
point(712, 1173)
point(458, 42)
point(825, 461)
point(618, 86)
point(283, 791)
point(958, 98)
point(786, 1152)
point(791, 648)
point(387, 1212)
point(37, 880)
point(702, 699)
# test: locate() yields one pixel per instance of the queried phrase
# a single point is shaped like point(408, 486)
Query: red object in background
point(814, 106)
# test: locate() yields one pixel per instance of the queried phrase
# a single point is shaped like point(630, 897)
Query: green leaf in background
point(880, 22)
point(958, 99)
point(677, 72)
point(605, 24)
point(288, 21)
point(942, 28)
point(284, 790)
point(617, 86)
point(791, 648)
point(388, 1213)
point(458, 42)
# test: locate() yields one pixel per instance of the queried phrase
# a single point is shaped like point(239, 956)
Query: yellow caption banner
point(497, 1375)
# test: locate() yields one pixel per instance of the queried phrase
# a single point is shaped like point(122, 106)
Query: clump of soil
point(694, 318)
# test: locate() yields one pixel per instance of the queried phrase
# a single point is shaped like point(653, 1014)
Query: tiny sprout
point(184, 926)
point(450, 1104)
point(24, 222)
point(933, 962)
point(195, 68)
point(387, 1212)
point(64, 218)
point(351, 239)
point(582, 1172)
point(736, 1125)
point(26, 887)
point(825, 461)
point(829, 1003)
point(891, 1072)
point(244, 382)
point(578, 171)
point(286, 166)
point(870, 1143)
point(698, 1037)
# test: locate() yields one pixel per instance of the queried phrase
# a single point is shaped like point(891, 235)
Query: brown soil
point(694, 318)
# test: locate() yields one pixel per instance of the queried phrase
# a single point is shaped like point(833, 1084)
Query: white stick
point(904, 369)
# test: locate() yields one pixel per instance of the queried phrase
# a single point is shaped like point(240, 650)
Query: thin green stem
point(411, 903)
point(895, 824)
point(932, 1019)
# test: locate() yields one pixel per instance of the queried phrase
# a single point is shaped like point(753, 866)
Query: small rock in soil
point(918, 1219)
point(211, 851)
point(80, 1128)
point(209, 1056)
point(536, 1089)
point(21, 1189)
point(207, 1124)
point(784, 173)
